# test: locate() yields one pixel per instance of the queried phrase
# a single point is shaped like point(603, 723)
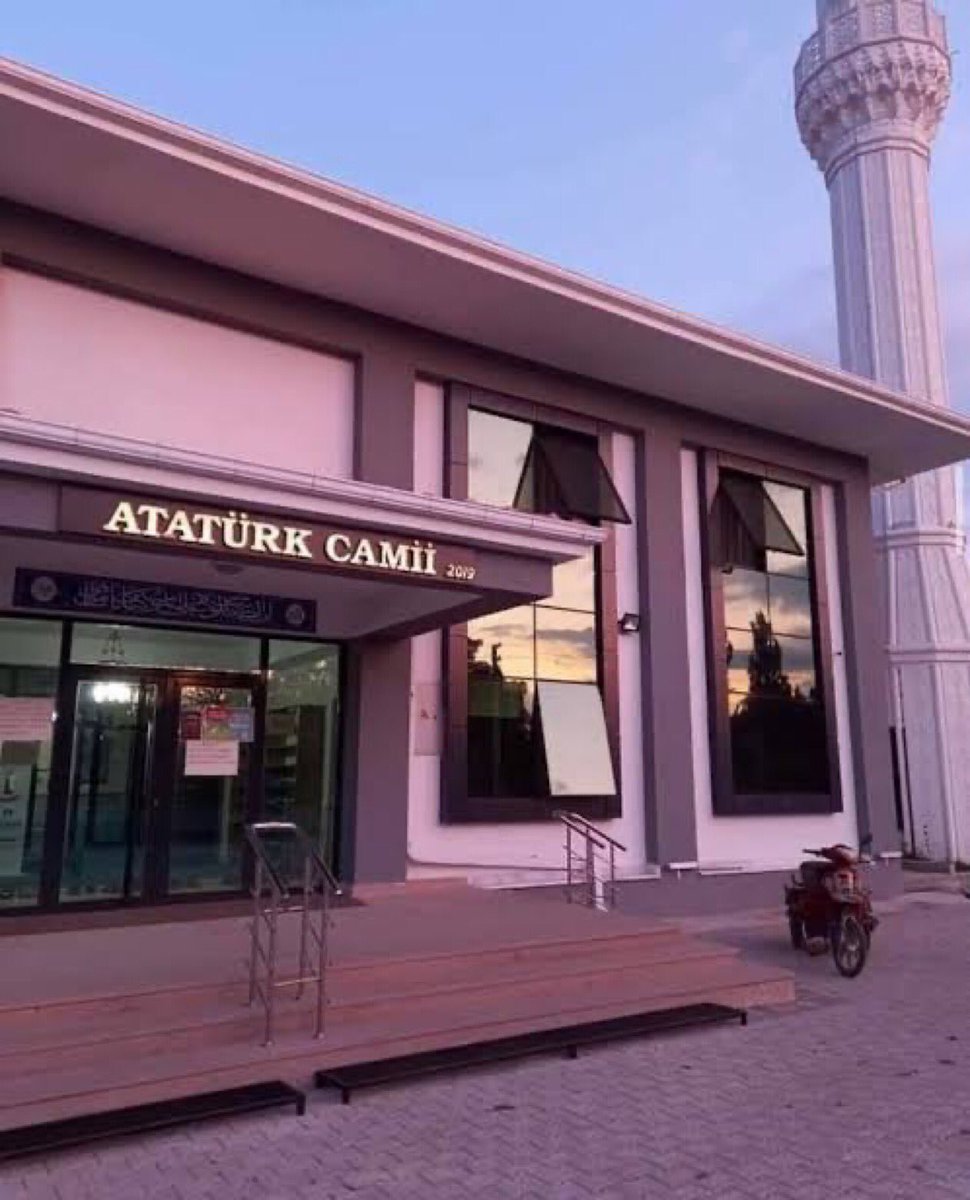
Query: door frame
point(164, 785)
point(157, 802)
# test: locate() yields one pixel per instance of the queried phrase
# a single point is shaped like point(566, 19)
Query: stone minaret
point(871, 87)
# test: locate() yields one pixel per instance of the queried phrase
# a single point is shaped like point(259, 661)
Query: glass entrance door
point(211, 795)
point(112, 765)
point(162, 780)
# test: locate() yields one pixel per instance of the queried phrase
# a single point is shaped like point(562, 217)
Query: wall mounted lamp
point(629, 623)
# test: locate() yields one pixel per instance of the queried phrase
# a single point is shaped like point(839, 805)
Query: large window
point(775, 752)
point(302, 738)
point(29, 656)
point(536, 727)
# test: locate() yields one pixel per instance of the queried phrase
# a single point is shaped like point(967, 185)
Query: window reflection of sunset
point(554, 641)
point(776, 717)
point(802, 684)
point(745, 594)
point(510, 635)
point(785, 600)
point(565, 645)
point(574, 584)
point(797, 663)
point(497, 451)
point(790, 601)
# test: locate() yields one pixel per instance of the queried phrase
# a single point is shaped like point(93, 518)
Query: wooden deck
point(102, 1018)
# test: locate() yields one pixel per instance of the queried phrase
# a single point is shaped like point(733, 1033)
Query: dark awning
point(747, 524)
point(563, 475)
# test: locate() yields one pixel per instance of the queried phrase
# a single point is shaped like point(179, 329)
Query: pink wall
point(83, 358)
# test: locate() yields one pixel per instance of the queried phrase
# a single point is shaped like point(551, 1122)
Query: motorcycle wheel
point(850, 946)
point(797, 930)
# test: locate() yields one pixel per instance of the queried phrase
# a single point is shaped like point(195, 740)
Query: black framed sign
point(91, 595)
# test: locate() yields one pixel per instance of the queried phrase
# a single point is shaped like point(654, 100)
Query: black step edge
point(145, 1118)
point(567, 1038)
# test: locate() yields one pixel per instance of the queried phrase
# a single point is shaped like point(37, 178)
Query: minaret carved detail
point(871, 88)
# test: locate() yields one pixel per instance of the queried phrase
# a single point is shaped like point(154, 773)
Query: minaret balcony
point(852, 23)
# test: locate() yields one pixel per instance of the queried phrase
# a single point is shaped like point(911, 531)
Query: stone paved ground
point(862, 1091)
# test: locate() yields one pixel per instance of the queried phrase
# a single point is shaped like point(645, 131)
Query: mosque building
point(315, 509)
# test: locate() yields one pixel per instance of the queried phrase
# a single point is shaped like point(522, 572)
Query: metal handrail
point(593, 839)
point(564, 815)
point(272, 896)
point(564, 819)
point(309, 846)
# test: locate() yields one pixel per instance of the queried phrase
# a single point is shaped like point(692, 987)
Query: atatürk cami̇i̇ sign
point(175, 523)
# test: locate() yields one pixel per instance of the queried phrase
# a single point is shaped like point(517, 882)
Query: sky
point(650, 143)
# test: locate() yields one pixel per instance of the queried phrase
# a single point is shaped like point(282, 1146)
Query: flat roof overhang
point(115, 167)
point(49, 471)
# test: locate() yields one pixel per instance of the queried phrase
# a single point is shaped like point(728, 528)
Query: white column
point(871, 88)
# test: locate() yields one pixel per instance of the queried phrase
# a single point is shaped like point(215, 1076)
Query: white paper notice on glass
point(26, 719)
point(13, 829)
point(212, 758)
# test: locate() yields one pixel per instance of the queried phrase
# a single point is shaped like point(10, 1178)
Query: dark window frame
point(457, 806)
point(726, 800)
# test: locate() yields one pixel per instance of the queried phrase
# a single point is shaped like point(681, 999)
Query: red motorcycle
point(828, 903)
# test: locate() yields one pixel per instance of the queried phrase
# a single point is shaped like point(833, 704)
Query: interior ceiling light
point(113, 692)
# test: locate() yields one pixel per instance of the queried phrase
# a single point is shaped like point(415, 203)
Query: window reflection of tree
point(500, 726)
point(777, 730)
point(777, 719)
point(766, 676)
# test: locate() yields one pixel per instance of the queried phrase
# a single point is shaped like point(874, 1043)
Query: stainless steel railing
point(307, 892)
point(590, 861)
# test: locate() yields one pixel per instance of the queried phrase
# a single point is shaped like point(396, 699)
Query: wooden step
point(502, 948)
point(242, 1025)
point(47, 1027)
point(296, 1057)
point(451, 961)
point(93, 1022)
point(442, 1021)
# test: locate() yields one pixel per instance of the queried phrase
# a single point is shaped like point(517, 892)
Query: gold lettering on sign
point(236, 530)
point(123, 520)
point(364, 555)
point(153, 518)
point(266, 538)
point(337, 548)
point(207, 523)
point(394, 558)
point(295, 543)
point(180, 527)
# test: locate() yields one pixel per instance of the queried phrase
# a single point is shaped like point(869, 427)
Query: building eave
point(115, 167)
point(58, 451)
